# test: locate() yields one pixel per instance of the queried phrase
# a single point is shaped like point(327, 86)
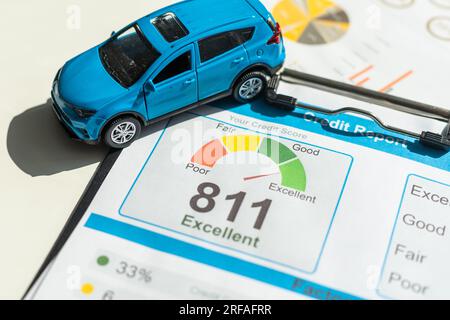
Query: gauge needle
point(260, 176)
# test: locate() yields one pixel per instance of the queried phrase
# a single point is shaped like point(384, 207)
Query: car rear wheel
point(250, 86)
point(122, 132)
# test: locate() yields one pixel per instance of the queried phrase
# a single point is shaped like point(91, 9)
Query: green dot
point(103, 260)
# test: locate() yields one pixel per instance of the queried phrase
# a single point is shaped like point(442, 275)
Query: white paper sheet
point(401, 47)
point(352, 211)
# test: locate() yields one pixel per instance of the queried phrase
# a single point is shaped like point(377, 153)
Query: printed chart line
point(397, 81)
point(360, 73)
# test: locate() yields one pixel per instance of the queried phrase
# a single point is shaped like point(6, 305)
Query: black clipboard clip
point(434, 140)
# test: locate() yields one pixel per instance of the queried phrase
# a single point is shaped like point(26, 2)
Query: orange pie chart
point(311, 22)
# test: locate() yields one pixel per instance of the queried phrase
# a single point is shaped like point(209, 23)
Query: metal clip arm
point(434, 140)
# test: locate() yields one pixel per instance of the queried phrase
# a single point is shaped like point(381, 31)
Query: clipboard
point(278, 100)
point(77, 213)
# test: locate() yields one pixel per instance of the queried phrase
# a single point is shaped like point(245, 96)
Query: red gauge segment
point(210, 153)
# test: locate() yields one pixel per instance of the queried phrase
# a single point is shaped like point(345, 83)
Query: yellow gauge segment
point(240, 143)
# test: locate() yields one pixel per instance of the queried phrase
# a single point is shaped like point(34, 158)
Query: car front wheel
point(122, 132)
point(250, 86)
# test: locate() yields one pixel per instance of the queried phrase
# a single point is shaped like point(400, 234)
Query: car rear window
point(246, 34)
point(218, 44)
point(170, 27)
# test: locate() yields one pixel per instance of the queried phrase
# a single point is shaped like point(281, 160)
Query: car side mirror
point(149, 86)
point(113, 34)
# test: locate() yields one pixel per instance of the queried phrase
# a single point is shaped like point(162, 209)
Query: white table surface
point(43, 172)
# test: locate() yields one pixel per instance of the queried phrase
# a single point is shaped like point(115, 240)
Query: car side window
point(178, 66)
point(218, 44)
point(245, 34)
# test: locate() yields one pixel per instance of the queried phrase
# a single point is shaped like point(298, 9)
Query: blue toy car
point(177, 58)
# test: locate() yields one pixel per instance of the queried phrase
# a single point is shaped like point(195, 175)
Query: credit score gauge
point(311, 22)
point(222, 184)
point(290, 167)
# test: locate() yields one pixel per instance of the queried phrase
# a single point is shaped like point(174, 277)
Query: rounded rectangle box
point(226, 188)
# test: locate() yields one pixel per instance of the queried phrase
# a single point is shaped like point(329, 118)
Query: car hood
point(84, 82)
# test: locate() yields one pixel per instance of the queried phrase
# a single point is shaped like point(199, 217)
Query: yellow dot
point(87, 288)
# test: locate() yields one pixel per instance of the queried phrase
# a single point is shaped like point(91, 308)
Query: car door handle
point(189, 81)
point(237, 60)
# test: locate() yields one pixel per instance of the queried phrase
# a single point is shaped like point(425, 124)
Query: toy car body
point(174, 59)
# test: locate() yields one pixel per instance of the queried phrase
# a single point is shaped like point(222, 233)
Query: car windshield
point(128, 55)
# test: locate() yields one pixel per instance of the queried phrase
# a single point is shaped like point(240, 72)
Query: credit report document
point(400, 47)
point(252, 202)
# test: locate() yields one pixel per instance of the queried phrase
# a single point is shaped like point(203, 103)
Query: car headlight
point(82, 113)
point(57, 76)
